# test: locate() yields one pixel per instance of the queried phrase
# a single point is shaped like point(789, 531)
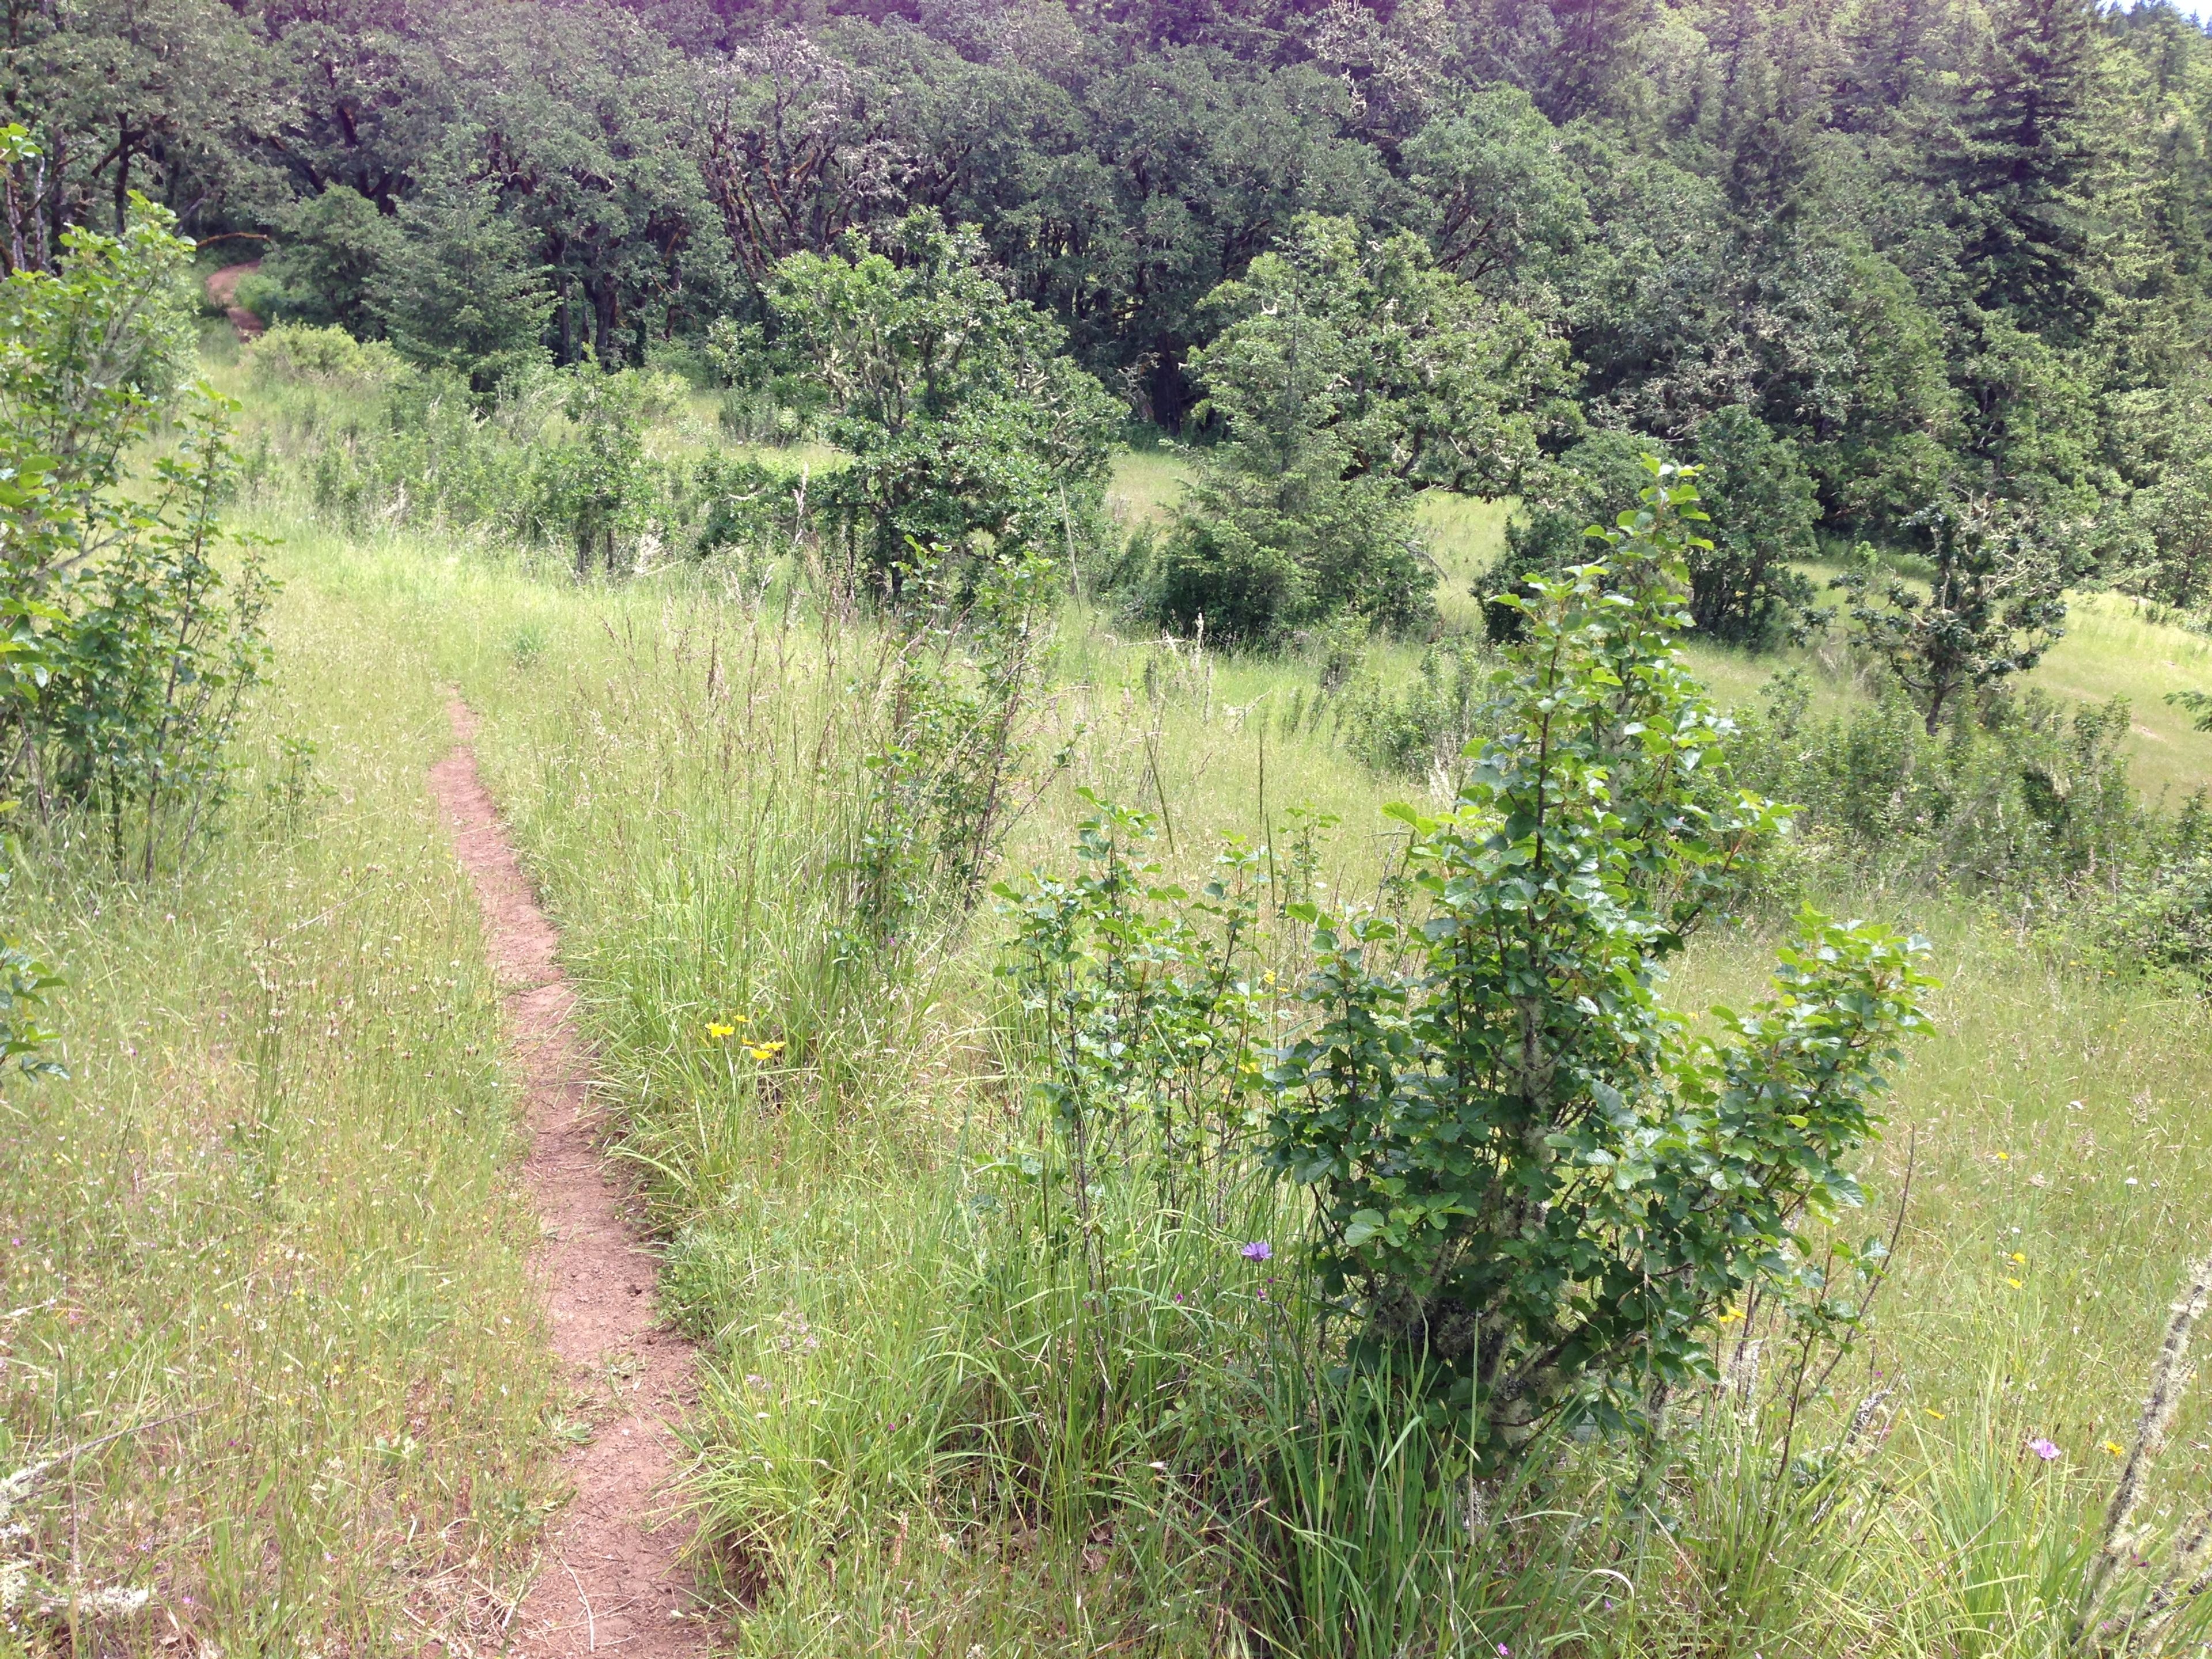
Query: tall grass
point(266, 1319)
point(924, 1431)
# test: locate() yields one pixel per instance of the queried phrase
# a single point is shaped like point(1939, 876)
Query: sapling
point(1536, 1189)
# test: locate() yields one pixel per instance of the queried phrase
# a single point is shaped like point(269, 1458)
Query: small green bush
point(303, 353)
point(127, 643)
point(1423, 729)
point(2019, 795)
point(1536, 1189)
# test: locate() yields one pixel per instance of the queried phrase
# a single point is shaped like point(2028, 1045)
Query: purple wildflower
point(2044, 1448)
point(1258, 1250)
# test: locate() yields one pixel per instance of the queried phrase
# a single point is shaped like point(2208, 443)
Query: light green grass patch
point(674, 764)
point(265, 1237)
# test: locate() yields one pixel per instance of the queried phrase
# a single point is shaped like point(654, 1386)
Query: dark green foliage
point(2165, 553)
point(1511, 214)
point(1349, 376)
point(333, 249)
point(1255, 554)
point(460, 291)
point(1940, 250)
point(1761, 516)
point(2017, 158)
point(1535, 1186)
point(1995, 602)
point(970, 433)
point(744, 504)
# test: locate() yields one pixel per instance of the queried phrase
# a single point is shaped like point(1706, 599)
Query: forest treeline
point(1903, 271)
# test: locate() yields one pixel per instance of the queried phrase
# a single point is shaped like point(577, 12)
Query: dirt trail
point(612, 1583)
point(223, 289)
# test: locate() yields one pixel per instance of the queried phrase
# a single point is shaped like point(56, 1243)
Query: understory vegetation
point(977, 1380)
point(1384, 831)
point(1047, 1304)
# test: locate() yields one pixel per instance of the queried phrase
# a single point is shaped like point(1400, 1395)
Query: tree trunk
point(603, 339)
point(122, 175)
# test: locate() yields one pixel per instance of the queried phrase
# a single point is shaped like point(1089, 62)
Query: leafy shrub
point(1255, 553)
point(765, 398)
point(295, 353)
point(1535, 1188)
point(596, 481)
point(2022, 797)
point(970, 645)
point(1422, 730)
point(459, 292)
point(130, 647)
point(969, 432)
point(2164, 920)
point(1547, 535)
point(745, 505)
point(24, 980)
point(1350, 375)
point(1760, 514)
point(1996, 602)
point(1151, 1015)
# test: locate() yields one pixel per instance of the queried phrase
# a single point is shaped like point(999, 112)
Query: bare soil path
point(223, 289)
point(611, 1581)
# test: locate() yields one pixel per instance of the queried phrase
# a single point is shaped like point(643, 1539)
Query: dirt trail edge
point(610, 1582)
point(223, 289)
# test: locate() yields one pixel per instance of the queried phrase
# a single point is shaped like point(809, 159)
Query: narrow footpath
point(223, 289)
point(611, 1581)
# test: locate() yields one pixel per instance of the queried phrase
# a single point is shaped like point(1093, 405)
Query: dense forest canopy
point(1886, 257)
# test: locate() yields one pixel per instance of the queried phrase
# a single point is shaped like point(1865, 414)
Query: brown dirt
point(612, 1580)
point(223, 289)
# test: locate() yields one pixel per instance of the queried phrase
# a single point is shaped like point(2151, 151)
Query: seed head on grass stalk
point(2169, 1378)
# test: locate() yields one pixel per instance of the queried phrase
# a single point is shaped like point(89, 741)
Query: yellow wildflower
point(2015, 1283)
point(764, 1050)
point(2020, 1259)
point(716, 1033)
point(2116, 1449)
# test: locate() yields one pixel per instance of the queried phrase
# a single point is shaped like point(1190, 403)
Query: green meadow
point(269, 1225)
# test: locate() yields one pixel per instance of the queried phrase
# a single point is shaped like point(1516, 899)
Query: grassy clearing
point(263, 1237)
point(2112, 647)
point(683, 771)
point(918, 1435)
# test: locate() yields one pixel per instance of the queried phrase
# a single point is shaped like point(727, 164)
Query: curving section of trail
point(611, 1580)
point(223, 289)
